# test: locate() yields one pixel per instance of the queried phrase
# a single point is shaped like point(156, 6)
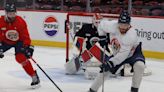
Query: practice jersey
point(87, 31)
point(10, 33)
point(127, 41)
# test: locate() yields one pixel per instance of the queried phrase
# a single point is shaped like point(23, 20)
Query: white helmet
point(96, 19)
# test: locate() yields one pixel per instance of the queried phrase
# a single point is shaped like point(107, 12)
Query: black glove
point(107, 66)
point(29, 51)
point(1, 51)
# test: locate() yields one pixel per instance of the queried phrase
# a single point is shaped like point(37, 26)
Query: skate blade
point(36, 86)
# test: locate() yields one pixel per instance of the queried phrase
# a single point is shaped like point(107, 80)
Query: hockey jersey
point(87, 31)
point(10, 33)
point(127, 41)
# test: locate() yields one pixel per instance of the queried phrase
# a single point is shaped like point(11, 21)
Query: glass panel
point(139, 7)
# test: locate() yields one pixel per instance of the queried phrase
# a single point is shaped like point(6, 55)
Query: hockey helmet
point(97, 16)
point(10, 7)
point(124, 17)
point(96, 19)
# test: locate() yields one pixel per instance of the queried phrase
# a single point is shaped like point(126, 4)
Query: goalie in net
point(85, 49)
point(83, 40)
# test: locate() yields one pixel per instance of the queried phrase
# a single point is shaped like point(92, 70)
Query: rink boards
point(48, 29)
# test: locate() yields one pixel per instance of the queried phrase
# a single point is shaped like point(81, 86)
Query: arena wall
point(48, 29)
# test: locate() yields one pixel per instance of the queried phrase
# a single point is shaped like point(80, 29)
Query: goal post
point(73, 23)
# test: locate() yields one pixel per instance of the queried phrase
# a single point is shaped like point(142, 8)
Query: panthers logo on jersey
point(12, 35)
point(115, 45)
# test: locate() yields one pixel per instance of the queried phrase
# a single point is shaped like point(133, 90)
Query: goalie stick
point(69, 63)
point(73, 65)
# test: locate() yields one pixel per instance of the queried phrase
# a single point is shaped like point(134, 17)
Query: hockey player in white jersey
point(128, 50)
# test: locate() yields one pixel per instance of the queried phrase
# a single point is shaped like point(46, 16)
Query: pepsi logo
point(51, 26)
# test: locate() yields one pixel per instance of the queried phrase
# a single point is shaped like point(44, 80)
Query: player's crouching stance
point(14, 33)
point(130, 51)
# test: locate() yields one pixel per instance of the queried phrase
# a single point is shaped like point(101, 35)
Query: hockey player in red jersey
point(14, 33)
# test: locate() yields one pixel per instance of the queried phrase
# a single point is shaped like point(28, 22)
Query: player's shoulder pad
point(2, 18)
point(86, 25)
point(108, 25)
point(130, 37)
point(21, 20)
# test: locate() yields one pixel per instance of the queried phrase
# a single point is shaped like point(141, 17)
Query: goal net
point(73, 23)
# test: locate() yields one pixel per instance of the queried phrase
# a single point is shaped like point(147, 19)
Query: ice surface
point(14, 79)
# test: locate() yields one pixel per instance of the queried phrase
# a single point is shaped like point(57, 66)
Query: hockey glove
point(107, 66)
point(1, 51)
point(29, 51)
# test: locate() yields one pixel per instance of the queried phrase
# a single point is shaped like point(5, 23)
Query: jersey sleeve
point(106, 26)
point(24, 36)
point(81, 32)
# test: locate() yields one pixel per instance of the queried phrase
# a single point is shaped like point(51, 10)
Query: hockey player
point(14, 33)
point(129, 50)
point(83, 41)
point(89, 31)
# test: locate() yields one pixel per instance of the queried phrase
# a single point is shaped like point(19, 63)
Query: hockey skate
point(90, 90)
point(134, 89)
point(35, 81)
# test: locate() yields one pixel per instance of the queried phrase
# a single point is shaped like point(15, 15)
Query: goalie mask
point(96, 19)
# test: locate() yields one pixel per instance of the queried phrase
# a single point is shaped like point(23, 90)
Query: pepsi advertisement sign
point(51, 26)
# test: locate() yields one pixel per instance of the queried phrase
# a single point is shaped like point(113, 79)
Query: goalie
point(84, 39)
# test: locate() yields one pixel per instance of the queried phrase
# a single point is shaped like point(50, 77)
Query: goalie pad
point(78, 46)
point(86, 56)
point(79, 42)
point(97, 51)
point(73, 66)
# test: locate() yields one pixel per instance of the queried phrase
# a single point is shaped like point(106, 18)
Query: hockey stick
point(103, 68)
point(78, 57)
point(103, 61)
point(46, 74)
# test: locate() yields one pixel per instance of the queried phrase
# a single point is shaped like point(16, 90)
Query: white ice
point(14, 79)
